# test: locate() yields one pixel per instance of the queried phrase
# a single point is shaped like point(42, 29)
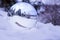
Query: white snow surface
point(40, 32)
point(27, 23)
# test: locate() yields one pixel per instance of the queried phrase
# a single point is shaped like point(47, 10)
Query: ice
point(41, 32)
point(25, 7)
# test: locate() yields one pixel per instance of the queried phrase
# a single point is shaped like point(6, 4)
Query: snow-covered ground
point(40, 32)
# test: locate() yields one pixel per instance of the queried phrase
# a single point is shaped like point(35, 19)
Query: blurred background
point(47, 26)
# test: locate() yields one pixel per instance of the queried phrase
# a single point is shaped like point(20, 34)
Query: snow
point(40, 32)
point(28, 23)
point(51, 2)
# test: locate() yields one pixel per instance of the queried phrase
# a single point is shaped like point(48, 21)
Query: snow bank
point(41, 32)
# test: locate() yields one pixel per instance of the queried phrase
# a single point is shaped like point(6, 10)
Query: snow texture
point(40, 32)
